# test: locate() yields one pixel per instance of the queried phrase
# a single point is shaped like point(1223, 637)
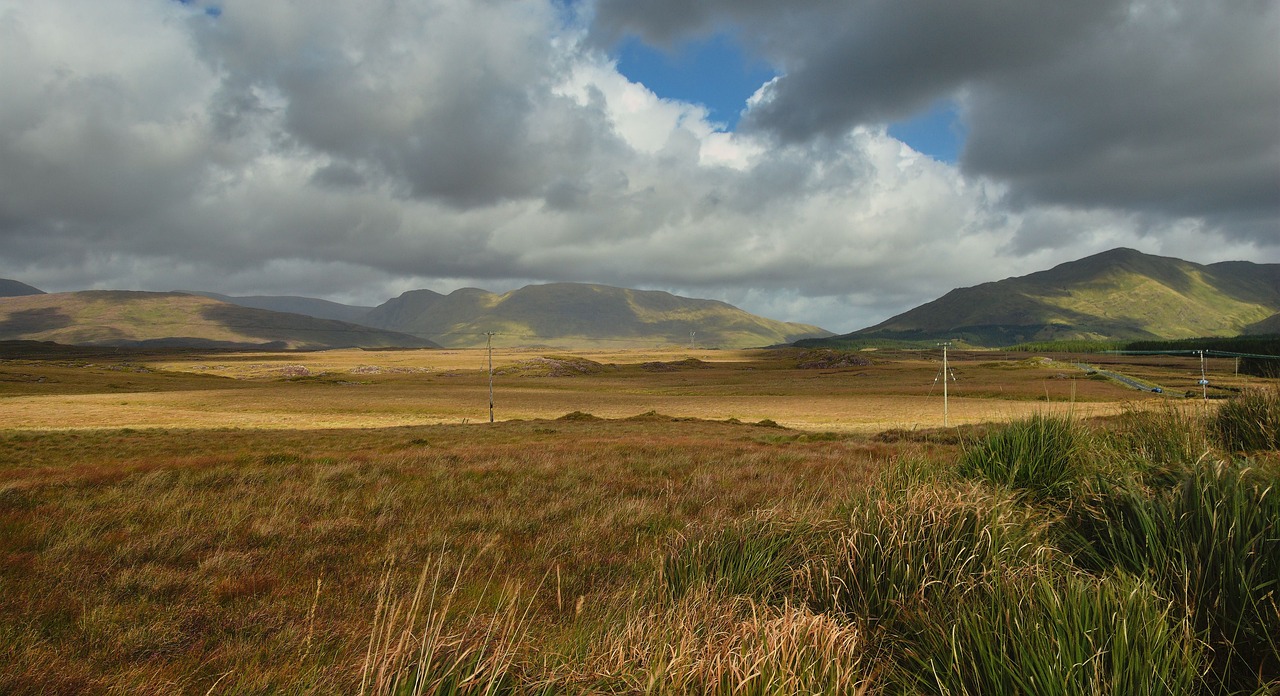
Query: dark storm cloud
point(1175, 110)
point(1155, 106)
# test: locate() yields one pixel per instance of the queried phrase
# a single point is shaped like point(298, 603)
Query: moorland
point(770, 521)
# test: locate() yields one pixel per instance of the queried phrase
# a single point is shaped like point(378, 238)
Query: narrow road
point(1127, 381)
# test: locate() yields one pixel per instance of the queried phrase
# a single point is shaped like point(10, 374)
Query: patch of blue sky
point(712, 71)
point(209, 9)
point(937, 132)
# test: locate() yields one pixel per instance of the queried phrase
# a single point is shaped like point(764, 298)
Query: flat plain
point(370, 389)
point(191, 522)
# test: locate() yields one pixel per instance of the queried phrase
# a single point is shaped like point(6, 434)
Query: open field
point(360, 389)
point(348, 522)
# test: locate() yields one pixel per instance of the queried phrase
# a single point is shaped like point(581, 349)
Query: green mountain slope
point(121, 318)
point(1267, 327)
point(1116, 295)
point(12, 288)
point(310, 306)
point(580, 315)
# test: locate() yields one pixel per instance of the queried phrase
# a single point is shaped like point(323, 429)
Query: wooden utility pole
point(489, 344)
point(1204, 381)
point(946, 416)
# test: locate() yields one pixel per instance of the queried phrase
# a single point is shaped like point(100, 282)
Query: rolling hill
point(12, 288)
point(310, 306)
point(124, 318)
point(576, 314)
point(1120, 294)
point(1267, 327)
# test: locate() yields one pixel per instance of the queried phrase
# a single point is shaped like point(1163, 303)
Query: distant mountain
point(320, 309)
point(1267, 327)
point(576, 314)
point(1120, 294)
point(12, 288)
point(122, 318)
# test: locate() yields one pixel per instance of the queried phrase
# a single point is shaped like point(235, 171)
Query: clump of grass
point(755, 557)
point(1054, 634)
point(1158, 441)
point(1044, 456)
point(1211, 540)
point(421, 645)
point(710, 643)
point(931, 546)
point(1249, 422)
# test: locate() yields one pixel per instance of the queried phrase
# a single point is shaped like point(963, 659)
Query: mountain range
point(576, 314)
point(1116, 295)
point(169, 319)
point(563, 315)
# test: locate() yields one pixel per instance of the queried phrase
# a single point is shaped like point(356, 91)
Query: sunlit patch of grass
point(926, 548)
point(1043, 456)
point(1210, 540)
point(1249, 422)
point(1048, 634)
point(710, 643)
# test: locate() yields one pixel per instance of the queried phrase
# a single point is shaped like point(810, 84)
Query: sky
point(833, 162)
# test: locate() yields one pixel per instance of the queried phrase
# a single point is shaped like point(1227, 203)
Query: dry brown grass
point(167, 531)
point(358, 389)
point(155, 562)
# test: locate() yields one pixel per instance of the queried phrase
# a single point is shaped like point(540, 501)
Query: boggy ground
point(697, 549)
point(161, 561)
point(359, 389)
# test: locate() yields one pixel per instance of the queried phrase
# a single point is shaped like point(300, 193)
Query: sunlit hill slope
point(575, 314)
point(123, 318)
point(1120, 294)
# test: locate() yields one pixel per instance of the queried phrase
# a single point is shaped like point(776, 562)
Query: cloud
point(353, 150)
point(1158, 106)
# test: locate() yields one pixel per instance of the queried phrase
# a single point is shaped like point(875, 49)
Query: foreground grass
point(151, 562)
point(1043, 556)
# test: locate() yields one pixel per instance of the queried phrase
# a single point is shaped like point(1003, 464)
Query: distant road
point(1127, 381)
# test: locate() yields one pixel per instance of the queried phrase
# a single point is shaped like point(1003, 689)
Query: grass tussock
point(929, 548)
point(424, 644)
point(1048, 634)
point(1249, 422)
point(1211, 542)
point(1043, 456)
point(711, 643)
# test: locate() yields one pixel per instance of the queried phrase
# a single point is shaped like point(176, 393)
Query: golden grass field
point(371, 389)
point(208, 523)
